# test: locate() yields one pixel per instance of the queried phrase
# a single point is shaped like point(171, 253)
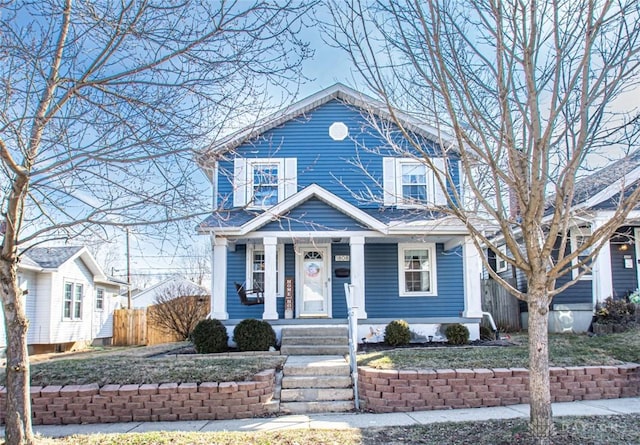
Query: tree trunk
point(541, 420)
point(18, 411)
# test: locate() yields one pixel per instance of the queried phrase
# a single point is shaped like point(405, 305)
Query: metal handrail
point(352, 318)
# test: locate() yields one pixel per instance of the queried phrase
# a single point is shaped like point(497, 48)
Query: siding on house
point(382, 291)
point(44, 320)
point(66, 331)
point(313, 215)
point(320, 159)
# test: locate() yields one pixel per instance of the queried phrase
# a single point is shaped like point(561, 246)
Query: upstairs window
point(411, 183)
point(265, 184)
point(261, 183)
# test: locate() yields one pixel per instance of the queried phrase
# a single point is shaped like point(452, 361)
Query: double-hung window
point(99, 299)
point(409, 182)
point(72, 302)
point(260, 183)
point(265, 184)
point(256, 271)
point(417, 270)
point(413, 182)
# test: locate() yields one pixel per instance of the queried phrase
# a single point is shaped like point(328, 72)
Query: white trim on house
point(393, 185)
point(617, 187)
point(336, 91)
point(251, 249)
point(433, 268)
point(574, 244)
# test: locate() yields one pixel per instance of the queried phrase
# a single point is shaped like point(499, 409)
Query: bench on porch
point(249, 297)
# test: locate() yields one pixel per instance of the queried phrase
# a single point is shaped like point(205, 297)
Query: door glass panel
point(313, 296)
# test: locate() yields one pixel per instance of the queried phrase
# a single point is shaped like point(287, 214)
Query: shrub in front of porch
point(397, 333)
point(210, 336)
point(254, 335)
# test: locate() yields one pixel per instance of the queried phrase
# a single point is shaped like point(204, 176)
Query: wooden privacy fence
point(504, 307)
point(129, 327)
point(133, 327)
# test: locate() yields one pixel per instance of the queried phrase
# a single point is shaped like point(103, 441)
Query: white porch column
point(219, 278)
point(602, 280)
point(270, 279)
point(471, 266)
point(357, 273)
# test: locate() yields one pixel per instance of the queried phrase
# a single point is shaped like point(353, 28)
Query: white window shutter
point(389, 181)
point(239, 182)
point(439, 194)
point(290, 177)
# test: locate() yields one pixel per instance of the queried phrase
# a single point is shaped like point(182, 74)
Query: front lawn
point(584, 430)
point(565, 350)
point(125, 370)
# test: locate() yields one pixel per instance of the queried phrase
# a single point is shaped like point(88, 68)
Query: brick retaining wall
point(400, 391)
point(73, 404)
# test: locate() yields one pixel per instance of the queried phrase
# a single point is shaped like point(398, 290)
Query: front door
point(314, 278)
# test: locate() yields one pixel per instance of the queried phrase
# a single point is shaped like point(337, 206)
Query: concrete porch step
point(314, 350)
point(317, 340)
point(315, 331)
point(316, 407)
point(303, 381)
point(315, 394)
point(323, 365)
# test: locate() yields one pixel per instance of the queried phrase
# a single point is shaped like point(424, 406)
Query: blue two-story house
point(314, 197)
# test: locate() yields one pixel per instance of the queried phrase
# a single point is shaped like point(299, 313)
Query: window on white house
point(579, 236)
point(417, 269)
point(263, 182)
point(72, 301)
point(256, 268)
point(99, 299)
point(411, 183)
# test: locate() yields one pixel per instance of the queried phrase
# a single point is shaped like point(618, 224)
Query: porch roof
point(384, 221)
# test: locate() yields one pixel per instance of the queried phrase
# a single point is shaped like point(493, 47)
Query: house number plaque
point(342, 258)
point(288, 297)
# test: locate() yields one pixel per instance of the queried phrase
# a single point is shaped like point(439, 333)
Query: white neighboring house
point(147, 297)
point(69, 299)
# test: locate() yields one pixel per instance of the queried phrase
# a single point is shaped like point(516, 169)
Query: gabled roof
point(176, 282)
point(336, 91)
point(608, 181)
point(293, 201)
point(49, 259)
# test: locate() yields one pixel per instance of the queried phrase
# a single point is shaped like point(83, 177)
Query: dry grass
point(565, 350)
point(622, 429)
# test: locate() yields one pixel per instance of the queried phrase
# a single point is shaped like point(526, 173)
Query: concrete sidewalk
point(349, 420)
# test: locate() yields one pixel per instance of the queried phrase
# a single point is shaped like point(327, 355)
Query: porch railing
point(352, 317)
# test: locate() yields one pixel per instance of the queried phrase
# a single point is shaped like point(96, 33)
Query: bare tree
point(198, 266)
point(527, 91)
point(178, 309)
point(102, 105)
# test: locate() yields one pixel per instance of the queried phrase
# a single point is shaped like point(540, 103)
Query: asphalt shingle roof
point(50, 257)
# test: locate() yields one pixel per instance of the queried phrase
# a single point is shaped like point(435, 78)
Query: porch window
point(579, 236)
point(417, 270)
point(256, 268)
point(72, 301)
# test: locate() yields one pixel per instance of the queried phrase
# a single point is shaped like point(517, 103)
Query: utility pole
point(128, 272)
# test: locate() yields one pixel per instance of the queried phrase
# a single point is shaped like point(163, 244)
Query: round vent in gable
point(338, 131)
